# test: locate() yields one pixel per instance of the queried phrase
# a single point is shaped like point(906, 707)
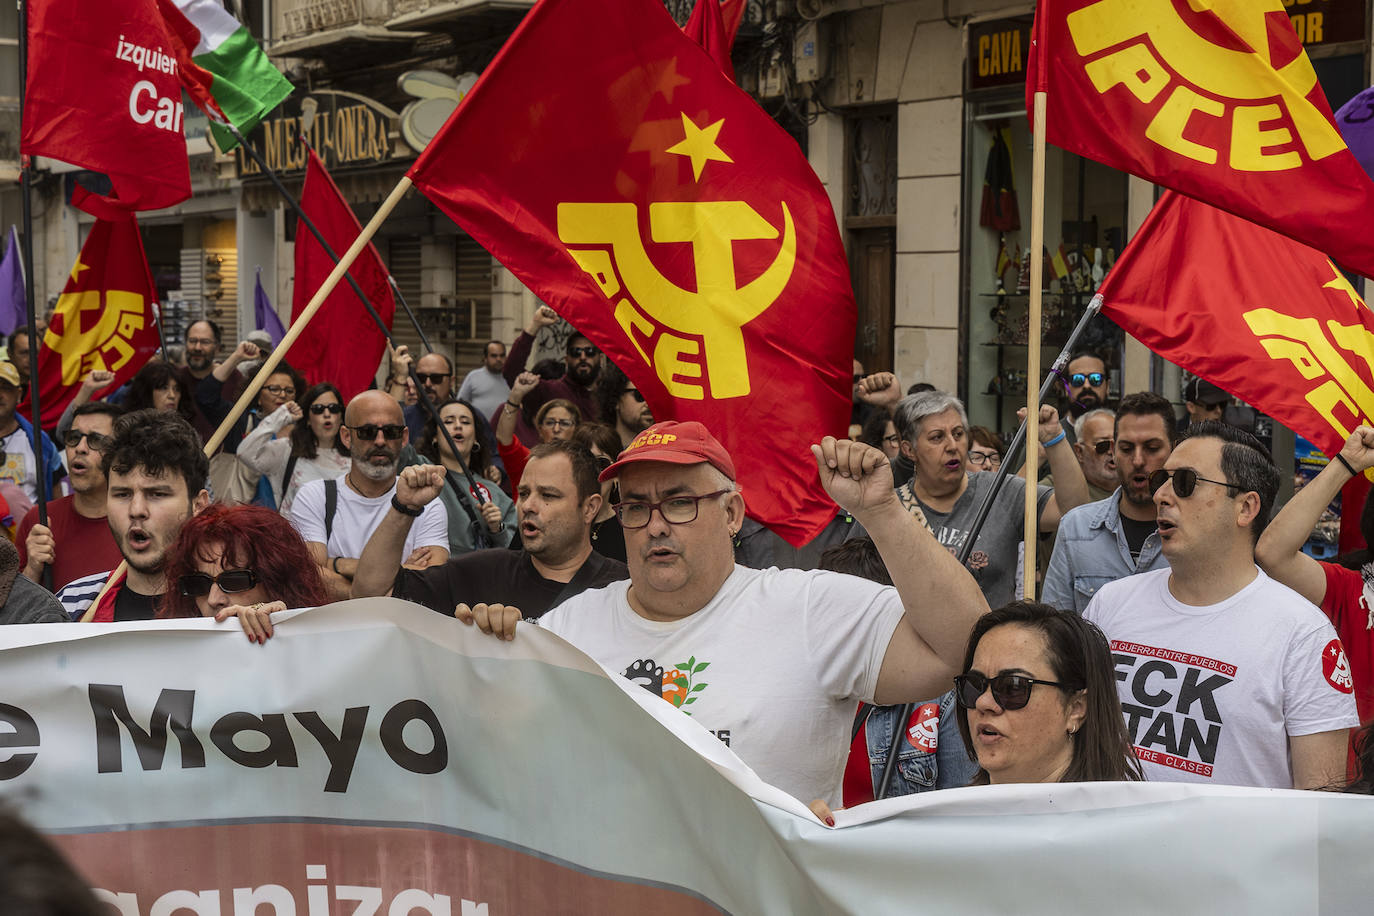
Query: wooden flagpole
point(1037, 246)
point(260, 378)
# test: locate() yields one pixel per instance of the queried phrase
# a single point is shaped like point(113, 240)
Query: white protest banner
point(377, 758)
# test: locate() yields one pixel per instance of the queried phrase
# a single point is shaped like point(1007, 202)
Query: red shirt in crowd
point(84, 545)
point(1354, 622)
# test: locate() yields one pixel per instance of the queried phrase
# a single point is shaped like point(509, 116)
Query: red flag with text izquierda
point(608, 162)
point(1254, 312)
point(341, 344)
point(103, 93)
point(1216, 100)
point(103, 319)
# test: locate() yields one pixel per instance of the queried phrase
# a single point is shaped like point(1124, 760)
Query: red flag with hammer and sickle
point(608, 162)
point(1217, 100)
point(1254, 312)
point(103, 320)
point(103, 93)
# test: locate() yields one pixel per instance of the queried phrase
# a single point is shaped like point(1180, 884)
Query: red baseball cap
point(674, 443)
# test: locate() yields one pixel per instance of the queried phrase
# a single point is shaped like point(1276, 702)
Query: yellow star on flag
point(77, 268)
point(700, 145)
point(1341, 284)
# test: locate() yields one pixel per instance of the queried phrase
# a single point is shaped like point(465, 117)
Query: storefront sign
point(348, 129)
point(997, 52)
point(1327, 22)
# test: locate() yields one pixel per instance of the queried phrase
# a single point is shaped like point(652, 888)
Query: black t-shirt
point(130, 605)
point(1136, 533)
point(500, 577)
point(608, 539)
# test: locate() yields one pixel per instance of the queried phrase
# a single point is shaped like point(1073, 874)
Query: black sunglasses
point(318, 409)
point(1009, 691)
point(368, 431)
point(1092, 378)
point(1103, 446)
point(432, 378)
point(635, 393)
point(583, 351)
point(1185, 481)
point(95, 441)
point(198, 585)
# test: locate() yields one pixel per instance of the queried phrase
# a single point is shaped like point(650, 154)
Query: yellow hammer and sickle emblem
point(1238, 76)
point(83, 351)
point(715, 312)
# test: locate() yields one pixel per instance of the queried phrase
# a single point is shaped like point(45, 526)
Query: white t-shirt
point(1212, 694)
point(358, 516)
point(772, 665)
point(19, 463)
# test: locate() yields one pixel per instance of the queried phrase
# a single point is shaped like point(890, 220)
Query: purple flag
point(265, 315)
point(1356, 123)
point(14, 307)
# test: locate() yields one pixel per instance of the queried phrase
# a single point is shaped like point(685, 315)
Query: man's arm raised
point(941, 599)
point(1279, 550)
point(376, 570)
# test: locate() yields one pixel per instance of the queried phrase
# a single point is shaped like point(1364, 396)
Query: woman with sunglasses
point(1038, 702)
point(556, 419)
point(489, 507)
point(240, 561)
point(308, 451)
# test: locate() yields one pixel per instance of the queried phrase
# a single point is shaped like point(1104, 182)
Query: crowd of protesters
point(1171, 632)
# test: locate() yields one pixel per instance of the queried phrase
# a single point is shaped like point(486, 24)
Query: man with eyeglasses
point(771, 661)
point(1092, 446)
point(336, 517)
point(1086, 380)
point(583, 360)
point(157, 472)
point(1226, 676)
point(76, 542)
point(1116, 536)
point(203, 340)
point(557, 501)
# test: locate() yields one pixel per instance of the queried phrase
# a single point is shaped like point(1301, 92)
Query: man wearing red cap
point(772, 660)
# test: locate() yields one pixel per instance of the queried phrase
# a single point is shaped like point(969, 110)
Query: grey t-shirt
point(994, 557)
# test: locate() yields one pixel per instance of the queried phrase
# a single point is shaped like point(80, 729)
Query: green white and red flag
point(222, 67)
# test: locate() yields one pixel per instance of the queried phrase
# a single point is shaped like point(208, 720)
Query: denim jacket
point(947, 767)
point(1090, 550)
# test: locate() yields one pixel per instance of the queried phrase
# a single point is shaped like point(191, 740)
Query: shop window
point(870, 219)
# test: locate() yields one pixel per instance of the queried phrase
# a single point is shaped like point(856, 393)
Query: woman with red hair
point(240, 561)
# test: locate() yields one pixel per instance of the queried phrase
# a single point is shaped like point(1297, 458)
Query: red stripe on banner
point(1169, 760)
point(1183, 658)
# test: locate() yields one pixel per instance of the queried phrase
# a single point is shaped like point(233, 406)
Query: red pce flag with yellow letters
point(1216, 100)
point(608, 162)
point(103, 319)
point(1268, 319)
point(103, 93)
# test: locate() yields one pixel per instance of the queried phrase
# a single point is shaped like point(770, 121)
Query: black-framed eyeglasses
point(1103, 446)
point(281, 391)
point(432, 378)
point(1009, 691)
point(318, 409)
point(634, 393)
point(96, 442)
point(198, 585)
point(893, 440)
point(368, 431)
point(676, 510)
point(557, 423)
point(1095, 379)
point(981, 458)
point(1185, 481)
point(583, 351)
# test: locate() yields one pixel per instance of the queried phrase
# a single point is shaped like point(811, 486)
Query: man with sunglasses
point(1116, 536)
point(1226, 677)
point(771, 661)
point(435, 372)
point(583, 362)
point(76, 542)
point(1086, 380)
point(336, 517)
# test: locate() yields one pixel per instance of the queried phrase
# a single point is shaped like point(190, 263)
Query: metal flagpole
point(26, 184)
point(985, 507)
